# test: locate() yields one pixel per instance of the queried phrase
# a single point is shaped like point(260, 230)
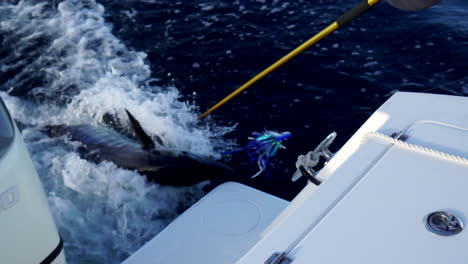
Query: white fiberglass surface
point(6, 128)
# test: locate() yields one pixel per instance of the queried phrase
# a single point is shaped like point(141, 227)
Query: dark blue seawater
point(83, 61)
point(208, 48)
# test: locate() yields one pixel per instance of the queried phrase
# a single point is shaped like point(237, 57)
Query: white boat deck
point(219, 228)
point(372, 206)
point(390, 181)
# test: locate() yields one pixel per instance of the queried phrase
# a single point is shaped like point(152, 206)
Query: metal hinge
point(278, 258)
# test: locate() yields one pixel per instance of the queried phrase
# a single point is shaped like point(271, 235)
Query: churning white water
point(66, 67)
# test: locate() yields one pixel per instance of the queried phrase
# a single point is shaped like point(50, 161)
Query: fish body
point(158, 164)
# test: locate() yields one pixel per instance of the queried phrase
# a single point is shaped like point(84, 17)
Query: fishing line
point(444, 85)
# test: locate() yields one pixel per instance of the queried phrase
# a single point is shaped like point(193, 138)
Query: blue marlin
point(161, 165)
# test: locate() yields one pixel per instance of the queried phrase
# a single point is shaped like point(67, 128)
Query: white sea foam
point(104, 213)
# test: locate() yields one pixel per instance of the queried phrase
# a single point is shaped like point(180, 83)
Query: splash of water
point(61, 64)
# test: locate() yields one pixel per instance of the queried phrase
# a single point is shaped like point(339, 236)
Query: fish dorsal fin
point(145, 140)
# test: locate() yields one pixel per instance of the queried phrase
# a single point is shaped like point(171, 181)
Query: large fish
point(158, 164)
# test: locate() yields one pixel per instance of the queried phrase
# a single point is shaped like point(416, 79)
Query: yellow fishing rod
point(356, 11)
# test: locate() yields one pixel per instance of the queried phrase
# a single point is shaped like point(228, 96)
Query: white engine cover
point(28, 232)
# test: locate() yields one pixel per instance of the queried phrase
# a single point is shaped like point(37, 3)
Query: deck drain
point(444, 224)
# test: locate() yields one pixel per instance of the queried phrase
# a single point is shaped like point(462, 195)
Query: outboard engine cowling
point(28, 232)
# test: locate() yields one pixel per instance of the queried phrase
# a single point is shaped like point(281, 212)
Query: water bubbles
point(371, 63)
point(130, 13)
point(206, 6)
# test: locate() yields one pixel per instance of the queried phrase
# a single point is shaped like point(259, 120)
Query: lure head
point(283, 136)
point(277, 136)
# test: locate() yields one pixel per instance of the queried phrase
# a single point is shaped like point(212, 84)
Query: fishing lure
point(263, 147)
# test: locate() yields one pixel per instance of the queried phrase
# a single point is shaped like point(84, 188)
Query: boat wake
point(60, 64)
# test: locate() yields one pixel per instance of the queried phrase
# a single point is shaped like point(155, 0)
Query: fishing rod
point(356, 11)
point(359, 9)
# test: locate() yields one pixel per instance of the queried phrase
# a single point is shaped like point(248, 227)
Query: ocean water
point(84, 61)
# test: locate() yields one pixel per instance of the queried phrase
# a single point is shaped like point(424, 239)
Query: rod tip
point(203, 115)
